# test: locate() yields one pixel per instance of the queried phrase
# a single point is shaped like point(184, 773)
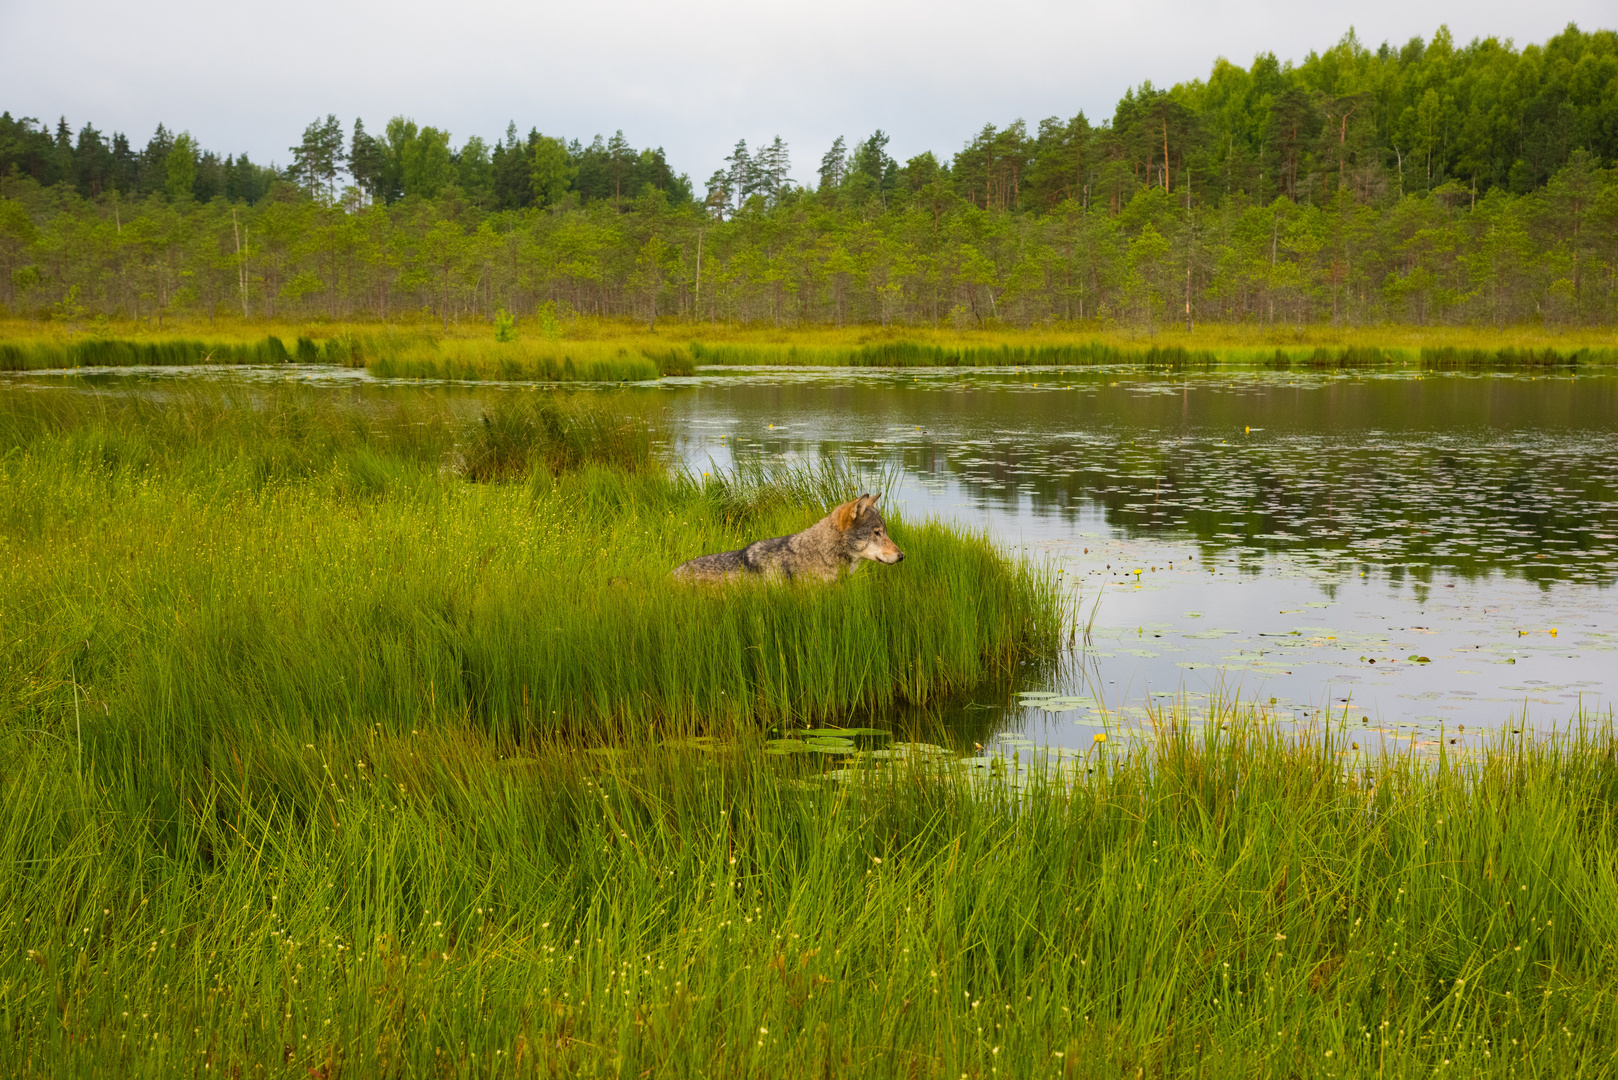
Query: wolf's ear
point(864, 503)
point(843, 516)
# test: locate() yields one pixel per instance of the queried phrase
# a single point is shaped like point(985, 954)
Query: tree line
point(1429, 183)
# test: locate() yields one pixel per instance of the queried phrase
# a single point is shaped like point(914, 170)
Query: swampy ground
point(352, 729)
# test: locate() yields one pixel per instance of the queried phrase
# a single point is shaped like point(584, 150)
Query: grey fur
point(841, 540)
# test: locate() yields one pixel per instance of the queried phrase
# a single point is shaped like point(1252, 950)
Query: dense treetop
point(1427, 182)
point(1404, 119)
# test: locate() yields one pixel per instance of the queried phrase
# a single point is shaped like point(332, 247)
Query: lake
point(1428, 557)
point(1425, 558)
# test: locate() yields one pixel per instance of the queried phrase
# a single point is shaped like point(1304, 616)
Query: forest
point(1429, 184)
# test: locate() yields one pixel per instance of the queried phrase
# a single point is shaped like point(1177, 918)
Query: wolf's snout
point(898, 556)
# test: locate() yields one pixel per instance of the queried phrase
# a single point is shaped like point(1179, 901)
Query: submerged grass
point(447, 902)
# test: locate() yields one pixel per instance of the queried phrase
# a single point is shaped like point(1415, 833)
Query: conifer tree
point(365, 161)
point(771, 168)
point(834, 165)
point(742, 177)
point(317, 160)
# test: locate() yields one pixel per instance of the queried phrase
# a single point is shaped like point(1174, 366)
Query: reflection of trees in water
point(1467, 474)
point(1543, 508)
point(1546, 512)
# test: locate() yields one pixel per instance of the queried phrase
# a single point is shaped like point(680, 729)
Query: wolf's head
point(862, 532)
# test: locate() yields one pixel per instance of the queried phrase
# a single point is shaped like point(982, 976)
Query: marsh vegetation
point(353, 735)
point(613, 351)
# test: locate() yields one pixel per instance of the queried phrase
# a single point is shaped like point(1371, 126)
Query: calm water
point(1289, 540)
point(1429, 558)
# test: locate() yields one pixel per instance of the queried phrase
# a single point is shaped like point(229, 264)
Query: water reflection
point(1427, 559)
point(1463, 474)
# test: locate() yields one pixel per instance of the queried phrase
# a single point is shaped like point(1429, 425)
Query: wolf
point(851, 533)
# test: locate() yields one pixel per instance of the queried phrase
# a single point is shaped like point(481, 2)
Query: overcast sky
point(691, 78)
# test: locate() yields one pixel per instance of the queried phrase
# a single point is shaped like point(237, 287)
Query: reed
point(173, 352)
point(211, 563)
point(445, 901)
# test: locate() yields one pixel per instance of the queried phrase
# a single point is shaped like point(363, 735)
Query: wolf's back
point(759, 557)
point(711, 567)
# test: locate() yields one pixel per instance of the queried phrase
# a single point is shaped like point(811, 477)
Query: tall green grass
point(114, 352)
point(444, 902)
point(206, 567)
point(346, 740)
point(214, 603)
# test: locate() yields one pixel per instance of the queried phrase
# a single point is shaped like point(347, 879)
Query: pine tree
point(834, 165)
point(318, 159)
point(125, 173)
point(720, 193)
point(92, 163)
point(154, 161)
point(62, 170)
point(743, 174)
point(512, 164)
point(771, 167)
point(621, 160)
point(365, 161)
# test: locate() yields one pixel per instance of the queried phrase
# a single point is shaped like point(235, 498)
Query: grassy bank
point(202, 590)
point(444, 902)
point(603, 351)
point(389, 355)
point(40, 354)
point(210, 564)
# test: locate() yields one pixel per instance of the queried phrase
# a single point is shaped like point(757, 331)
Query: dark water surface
point(1261, 537)
point(1428, 558)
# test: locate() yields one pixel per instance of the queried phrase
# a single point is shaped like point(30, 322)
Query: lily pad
point(786, 746)
point(830, 746)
